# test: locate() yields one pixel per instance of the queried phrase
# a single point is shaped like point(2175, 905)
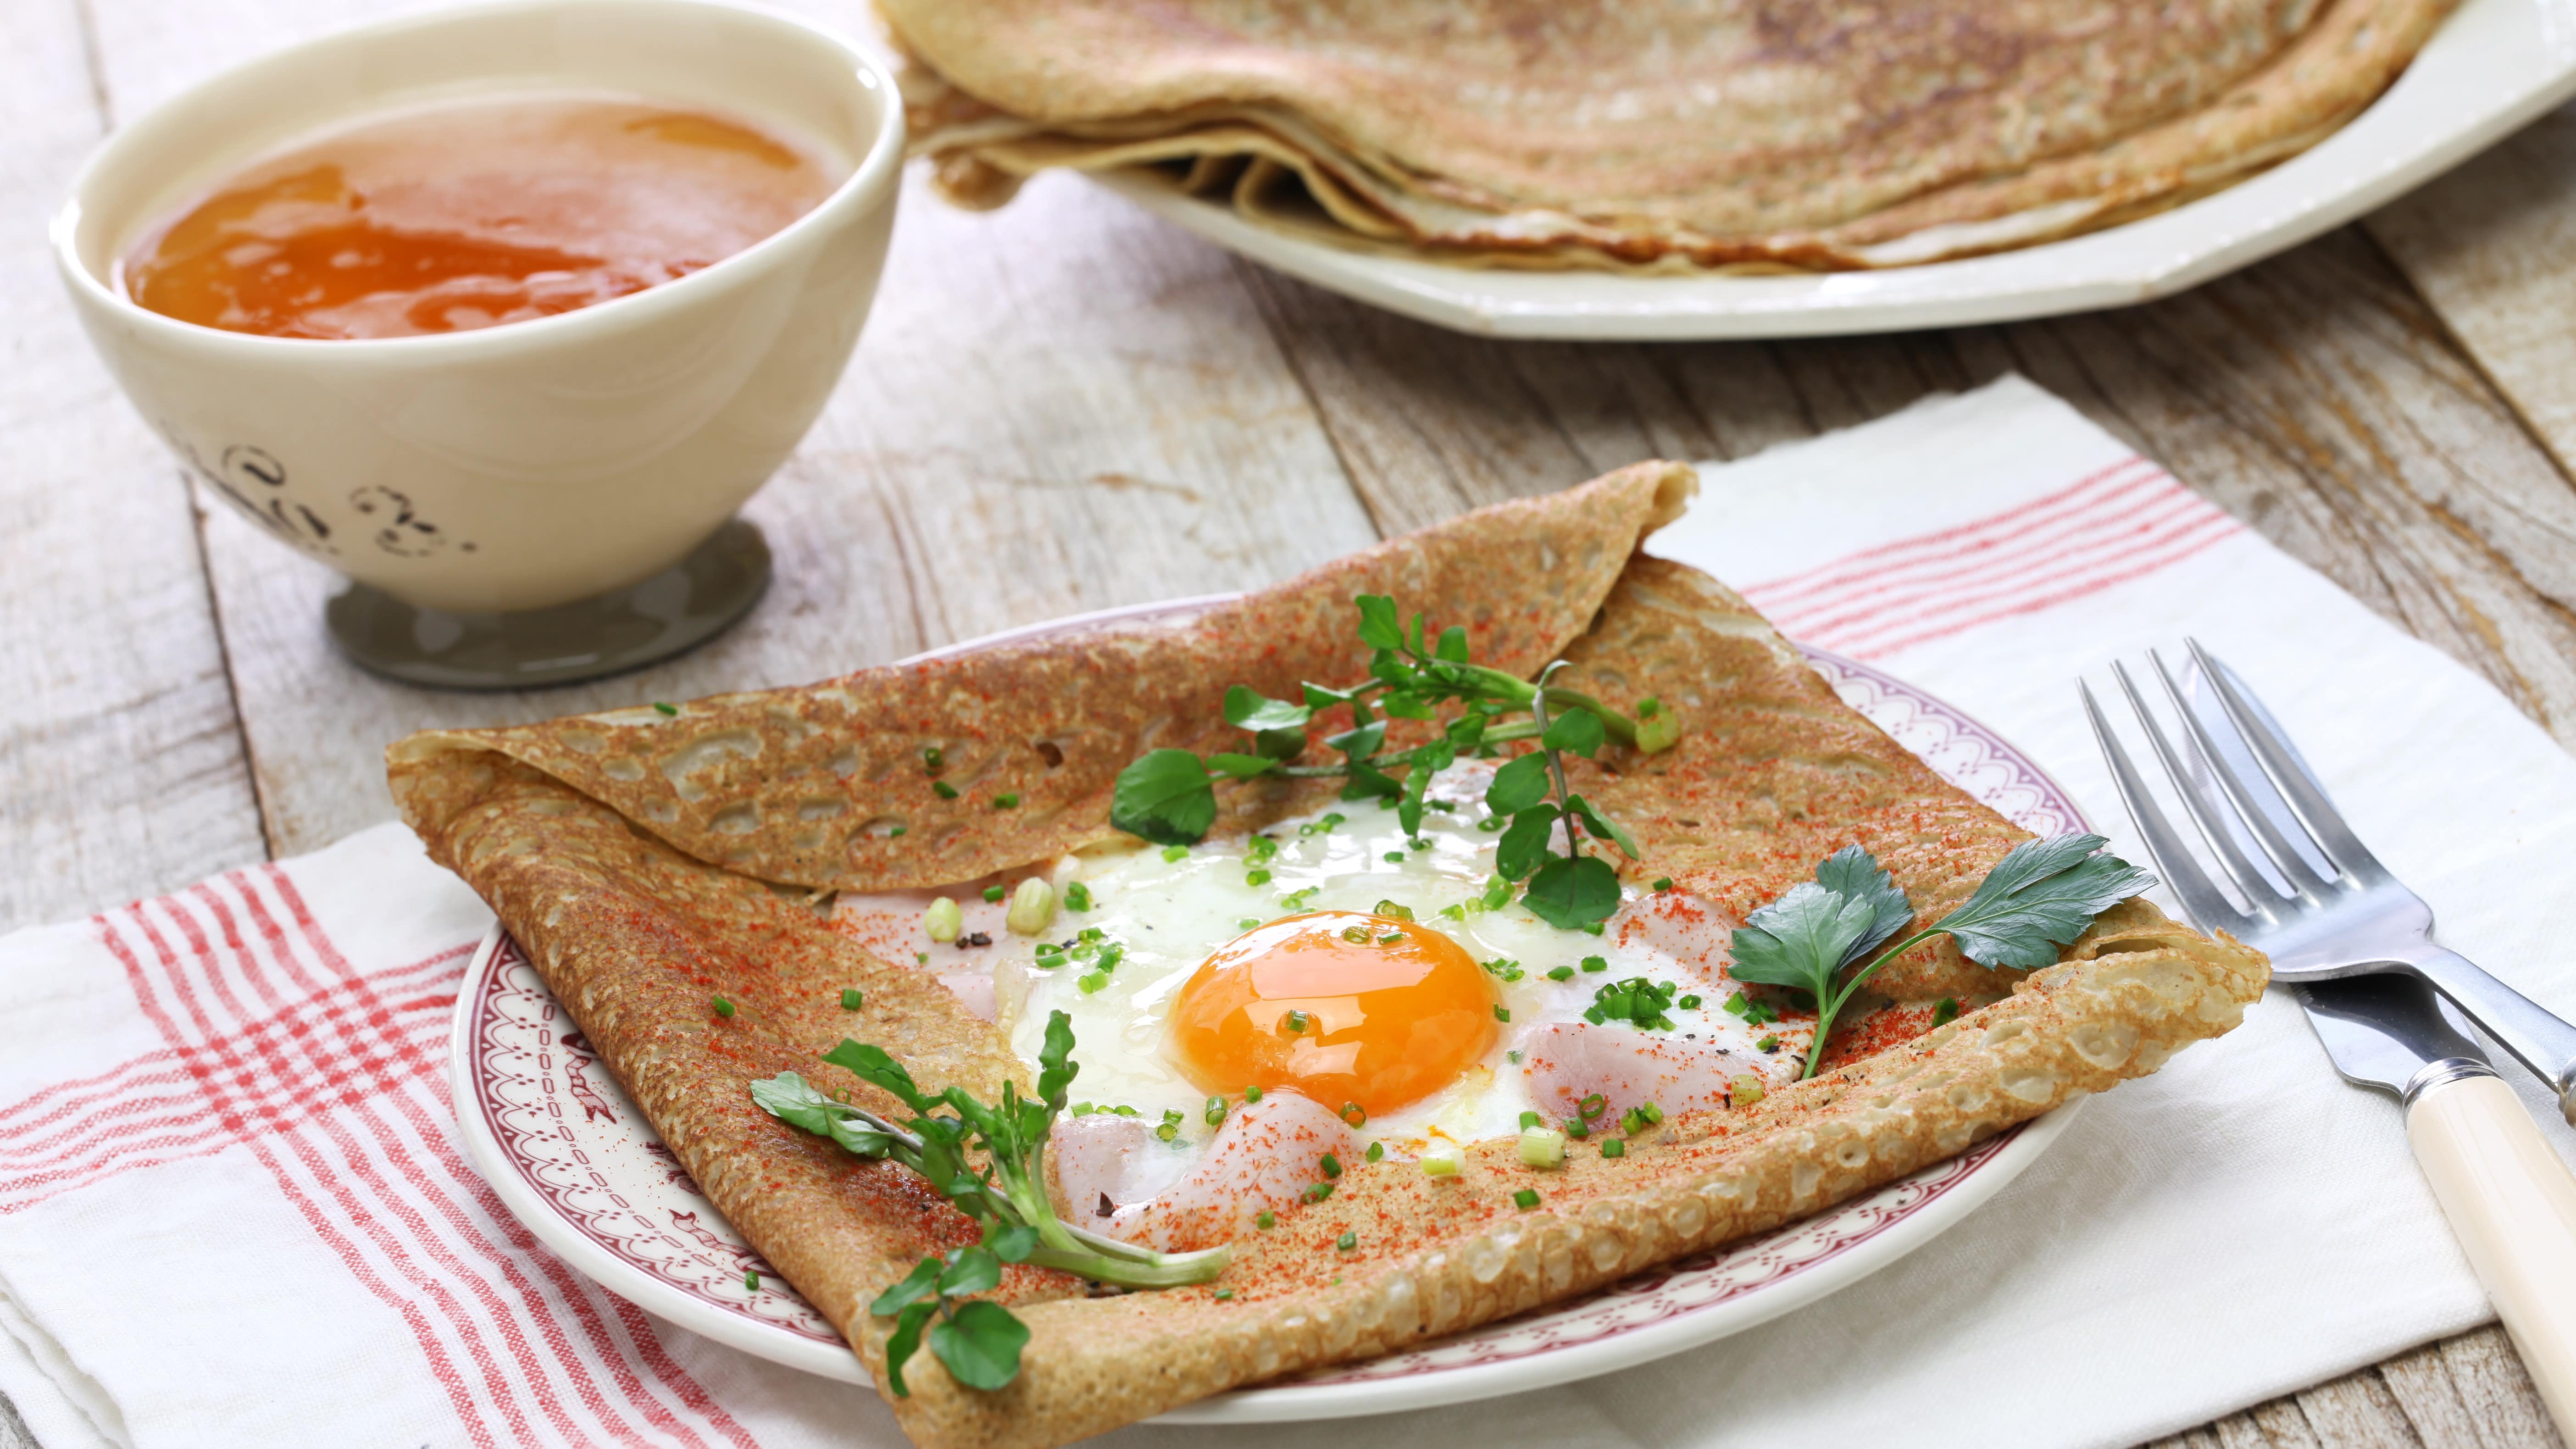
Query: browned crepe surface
point(1745, 132)
point(636, 938)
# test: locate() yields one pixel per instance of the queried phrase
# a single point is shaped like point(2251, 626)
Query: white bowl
point(536, 463)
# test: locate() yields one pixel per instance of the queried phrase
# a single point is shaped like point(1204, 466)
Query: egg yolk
point(1339, 1006)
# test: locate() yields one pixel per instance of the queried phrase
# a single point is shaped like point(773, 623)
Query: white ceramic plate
point(2493, 67)
point(577, 1163)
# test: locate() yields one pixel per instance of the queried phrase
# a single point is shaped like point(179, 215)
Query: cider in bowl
point(502, 312)
point(472, 213)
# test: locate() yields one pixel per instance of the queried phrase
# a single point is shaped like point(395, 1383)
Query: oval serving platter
point(576, 1162)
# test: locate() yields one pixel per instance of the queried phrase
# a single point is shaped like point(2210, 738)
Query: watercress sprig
point(988, 1160)
point(1168, 796)
point(2040, 896)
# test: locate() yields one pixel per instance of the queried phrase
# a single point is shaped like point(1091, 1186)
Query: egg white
point(1169, 911)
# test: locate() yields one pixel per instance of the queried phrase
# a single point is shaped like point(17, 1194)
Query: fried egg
point(1225, 990)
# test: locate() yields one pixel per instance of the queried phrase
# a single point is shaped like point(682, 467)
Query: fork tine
point(2206, 813)
point(2288, 773)
point(2285, 857)
point(2208, 906)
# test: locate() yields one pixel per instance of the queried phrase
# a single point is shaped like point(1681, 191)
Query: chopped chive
point(1124, 1111)
point(1007, 801)
point(993, 893)
point(1266, 1221)
point(1663, 882)
point(1170, 1127)
point(1591, 928)
point(1397, 909)
point(1318, 1191)
point(1592, 1105)
point(943, 789)
point(1077, 897)
point(1332, 1165)
point(1297, 1021)
point(894, 830)
point(1527, 1197)
point(1442, 1159)
point(1541, 1146)
point(1091, 982)
point(1083, 1109)
point(1502, 1013)
point(1395, 857)
point(1595, 963)
point(1560, 973)
point(1613, 1147)
point(1354, 1114)
point(1769, 1043)
point(933, 759)
point(1513, 1056)
point(668, 709)
point(1247, 923)
point(851, 1000)
point(1688, 1003)
point(1529, 1120)
point(1376, 1152)
point(1347, 1241)
point(1214, 1113)
point(724, 1008)
point(1251, 1095)
point(751, 1279)
point(1256, 877)
point(1222, 1294)
point(1945, 1011)
point(1574, 1127)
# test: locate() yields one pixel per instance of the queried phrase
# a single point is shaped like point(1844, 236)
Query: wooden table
point(1067, 405)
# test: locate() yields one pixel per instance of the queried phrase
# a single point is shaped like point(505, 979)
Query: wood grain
point(120, 766)
point(1064, 406)
point(2488, 246)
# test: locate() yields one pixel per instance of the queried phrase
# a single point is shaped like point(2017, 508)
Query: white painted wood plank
point(121, 770)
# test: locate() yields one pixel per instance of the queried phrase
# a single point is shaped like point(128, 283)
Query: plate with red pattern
point(575, 1161)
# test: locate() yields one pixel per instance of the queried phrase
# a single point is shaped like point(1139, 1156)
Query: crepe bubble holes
point(1339, 1006)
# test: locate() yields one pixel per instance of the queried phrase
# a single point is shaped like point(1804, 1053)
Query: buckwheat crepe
point(1674, 134)
point(647, 862)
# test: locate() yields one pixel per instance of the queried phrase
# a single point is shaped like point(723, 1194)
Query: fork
point(2325, 907)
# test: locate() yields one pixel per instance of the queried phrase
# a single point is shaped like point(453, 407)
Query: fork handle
point(2513, 1206)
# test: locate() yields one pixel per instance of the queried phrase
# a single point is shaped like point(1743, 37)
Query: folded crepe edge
point(824, 785)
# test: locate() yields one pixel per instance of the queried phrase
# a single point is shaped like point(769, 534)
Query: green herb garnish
point(1168, 796)
point(988, 1160)
point(1945, 1011)
point(2036, 899)
point(851, 1000)
point(665, 709)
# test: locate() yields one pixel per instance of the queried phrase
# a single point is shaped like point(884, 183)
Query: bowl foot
point(677, 609)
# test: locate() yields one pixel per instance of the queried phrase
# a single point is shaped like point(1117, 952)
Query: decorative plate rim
point(1707, 1297)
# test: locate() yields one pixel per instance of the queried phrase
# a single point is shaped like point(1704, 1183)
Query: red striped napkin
point(233, 1209)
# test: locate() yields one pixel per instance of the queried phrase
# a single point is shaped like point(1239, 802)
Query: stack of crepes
point(649, 862)
point(1666, 135)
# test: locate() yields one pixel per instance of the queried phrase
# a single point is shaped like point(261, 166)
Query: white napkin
point(232, 1210)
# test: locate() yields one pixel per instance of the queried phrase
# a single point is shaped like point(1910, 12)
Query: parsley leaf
point(2040, 897)
point(1249, 709)
point(1163, 795)
point(1570, 893)
point(980, 1344)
